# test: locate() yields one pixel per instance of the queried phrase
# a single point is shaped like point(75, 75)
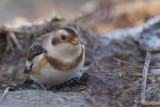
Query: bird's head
point(64, 42)
point(65, 36)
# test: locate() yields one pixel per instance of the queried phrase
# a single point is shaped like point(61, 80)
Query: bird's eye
point(63, 37)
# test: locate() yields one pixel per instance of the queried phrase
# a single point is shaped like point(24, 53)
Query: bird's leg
point(82, 79)
point(43, 87)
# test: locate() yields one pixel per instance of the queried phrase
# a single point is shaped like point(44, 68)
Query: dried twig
point(117, 66)
point(4, 94)
point(144, 79)
point(153, 51)
point(134, 73)
point(132, 65)
point(152, 103)
point(140, 74)
point(123, 61)
point(10, 44)
point(13, 37)
point(119, 103)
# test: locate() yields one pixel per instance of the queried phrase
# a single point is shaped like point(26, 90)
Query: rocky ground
point(110, 82)
point(39, 98)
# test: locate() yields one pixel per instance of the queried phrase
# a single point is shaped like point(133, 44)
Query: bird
point(55, 57)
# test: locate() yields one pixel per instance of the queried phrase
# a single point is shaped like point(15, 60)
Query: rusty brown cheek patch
point(56, 41)
point(59, 65)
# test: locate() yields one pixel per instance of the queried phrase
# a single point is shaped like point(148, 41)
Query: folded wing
point(34, 51)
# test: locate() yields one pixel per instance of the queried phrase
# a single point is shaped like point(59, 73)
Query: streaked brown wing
point(34, 51)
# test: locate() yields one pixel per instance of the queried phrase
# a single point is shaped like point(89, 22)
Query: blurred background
point(108, 14)
point(33, 9)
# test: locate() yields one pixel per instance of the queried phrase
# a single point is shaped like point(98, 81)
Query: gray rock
point(42, 98)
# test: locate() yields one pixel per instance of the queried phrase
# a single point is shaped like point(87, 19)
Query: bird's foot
point(81, 80)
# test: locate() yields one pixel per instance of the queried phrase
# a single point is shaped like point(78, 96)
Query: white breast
point(50, 76)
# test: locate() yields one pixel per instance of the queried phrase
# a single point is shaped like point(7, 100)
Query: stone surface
point(42, 98)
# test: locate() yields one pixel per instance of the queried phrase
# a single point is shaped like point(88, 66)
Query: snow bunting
point(55, 58)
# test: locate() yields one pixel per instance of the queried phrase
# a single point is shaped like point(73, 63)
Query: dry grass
point(123, 14)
